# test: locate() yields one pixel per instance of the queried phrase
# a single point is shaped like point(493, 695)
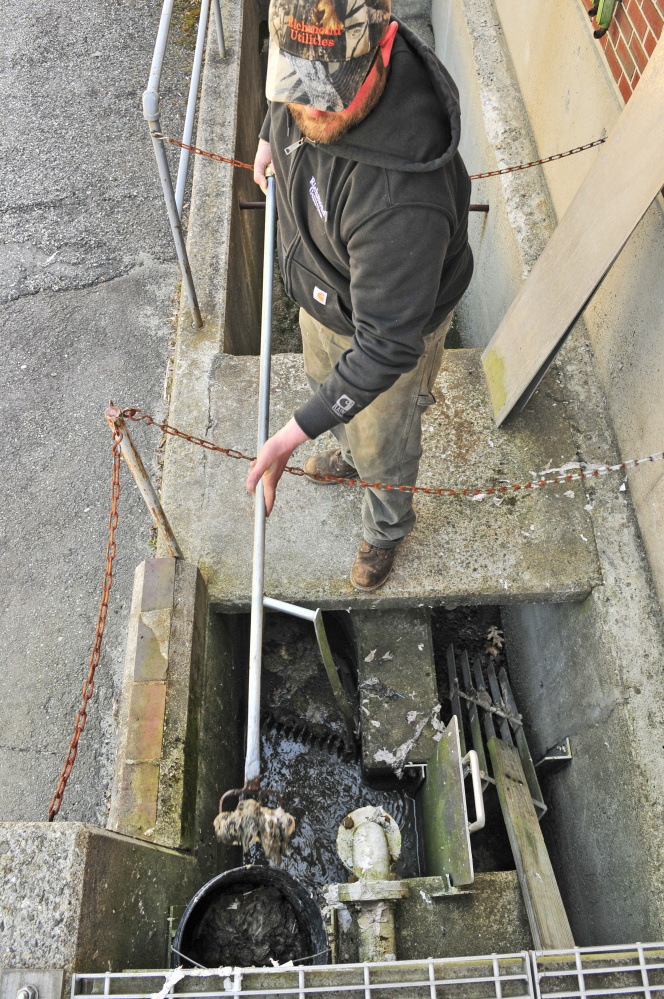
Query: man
point(372, 197)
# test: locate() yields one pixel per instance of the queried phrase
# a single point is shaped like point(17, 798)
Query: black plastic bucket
point(212, 906)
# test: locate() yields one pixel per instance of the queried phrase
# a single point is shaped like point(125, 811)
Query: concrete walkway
point(86, 272)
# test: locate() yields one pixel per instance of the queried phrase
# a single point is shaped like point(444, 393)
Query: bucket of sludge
point(250, 917)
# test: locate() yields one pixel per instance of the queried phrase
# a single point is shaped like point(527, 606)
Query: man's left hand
point(272, 460)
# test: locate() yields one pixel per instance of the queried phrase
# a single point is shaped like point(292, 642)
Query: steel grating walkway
point(620, 970)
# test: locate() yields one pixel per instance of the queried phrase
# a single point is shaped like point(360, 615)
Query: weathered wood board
point(546, 913)
point(626, 176)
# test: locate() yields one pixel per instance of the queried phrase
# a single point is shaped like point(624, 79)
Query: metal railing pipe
point(190, 116)
point(252, 764)
point(293, 609)
point(143, 481)
point(221, 41)
point(160, 48)
point(173, 214)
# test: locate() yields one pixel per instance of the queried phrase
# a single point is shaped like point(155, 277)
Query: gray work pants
point(383, 442)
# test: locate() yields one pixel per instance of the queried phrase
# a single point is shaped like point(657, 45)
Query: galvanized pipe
point(293, 609)
point(142, 479)
point(191, 105)
point(252, 763)
point(160, 48)
point(174, 217)
point(220, 28)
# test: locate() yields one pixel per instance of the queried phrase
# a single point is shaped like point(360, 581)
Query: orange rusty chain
point(473, 176)
point(89, 684)
point(138, 416)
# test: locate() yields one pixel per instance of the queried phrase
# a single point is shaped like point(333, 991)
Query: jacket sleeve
point(265, 127)
point(396, 262)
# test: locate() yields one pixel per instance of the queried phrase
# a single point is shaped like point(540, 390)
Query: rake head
point(252, 822)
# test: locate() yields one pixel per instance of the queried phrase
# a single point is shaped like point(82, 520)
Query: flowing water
point(319, 788)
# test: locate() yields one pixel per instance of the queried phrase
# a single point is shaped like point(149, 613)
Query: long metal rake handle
point(252, 763)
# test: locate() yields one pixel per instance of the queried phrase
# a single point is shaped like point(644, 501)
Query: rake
point(252, 820)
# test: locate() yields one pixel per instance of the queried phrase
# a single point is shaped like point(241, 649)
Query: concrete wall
point(570, 98)
point(593, 670)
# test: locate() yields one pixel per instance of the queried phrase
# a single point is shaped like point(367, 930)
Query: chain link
point(473, 176)
point(532, 163)
point(138, 416)
point(88, 686)
point(203, 152)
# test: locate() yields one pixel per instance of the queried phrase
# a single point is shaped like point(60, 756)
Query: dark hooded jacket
point(373, 237)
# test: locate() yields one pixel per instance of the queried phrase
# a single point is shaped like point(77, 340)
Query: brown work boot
point(371, 567)
point(329, 463)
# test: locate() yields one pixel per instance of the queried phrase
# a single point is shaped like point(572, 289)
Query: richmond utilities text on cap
point(321, 50)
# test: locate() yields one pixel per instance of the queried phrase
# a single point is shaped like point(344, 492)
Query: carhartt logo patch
point(320, 295)
point(316, 198)
point(342, 405)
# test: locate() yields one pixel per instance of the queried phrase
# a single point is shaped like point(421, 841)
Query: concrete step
point(529, 546)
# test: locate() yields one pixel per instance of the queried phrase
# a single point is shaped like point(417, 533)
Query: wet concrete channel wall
point(592, 670)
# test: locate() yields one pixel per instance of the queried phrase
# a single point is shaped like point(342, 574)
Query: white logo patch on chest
point(316, 198)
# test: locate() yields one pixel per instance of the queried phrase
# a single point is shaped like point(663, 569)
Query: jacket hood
point(415, 126)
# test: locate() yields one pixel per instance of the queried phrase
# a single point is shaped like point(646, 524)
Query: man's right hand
point(261, 163)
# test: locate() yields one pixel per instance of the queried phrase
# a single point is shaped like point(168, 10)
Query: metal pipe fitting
point(368, 842)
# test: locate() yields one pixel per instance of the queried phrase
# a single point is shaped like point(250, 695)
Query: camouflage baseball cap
point(321, 50)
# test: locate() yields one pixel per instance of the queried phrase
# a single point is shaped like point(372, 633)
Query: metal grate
point(635, 972)
point(504, 976)
point(632, 971)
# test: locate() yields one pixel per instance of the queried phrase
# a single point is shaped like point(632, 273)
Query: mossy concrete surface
point(76, 897)
point(532, 545)
point(486, 918)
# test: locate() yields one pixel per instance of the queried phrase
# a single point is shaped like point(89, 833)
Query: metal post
point(252, 764)
point(220, 28)
point(191, 105)
point(151, 115)
point(174, 217)
point(145, 487)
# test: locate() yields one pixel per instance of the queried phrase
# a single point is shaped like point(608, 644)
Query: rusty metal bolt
point(392, 877)
point(352, 878)
point(348, 822)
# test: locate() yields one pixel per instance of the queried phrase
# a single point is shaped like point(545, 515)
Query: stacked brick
point(631, 39)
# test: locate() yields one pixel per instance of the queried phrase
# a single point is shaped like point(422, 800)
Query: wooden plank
point(522, 746)
point(626, 176)
point(546, 913)
point(447, 842)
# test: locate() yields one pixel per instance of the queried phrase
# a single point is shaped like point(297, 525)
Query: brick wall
point(631, 39)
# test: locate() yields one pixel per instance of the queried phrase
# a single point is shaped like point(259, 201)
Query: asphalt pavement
point(87, 271)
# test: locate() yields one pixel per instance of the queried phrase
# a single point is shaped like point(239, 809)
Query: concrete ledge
point(529, 546)
point(154, 793)
point(83, 899)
